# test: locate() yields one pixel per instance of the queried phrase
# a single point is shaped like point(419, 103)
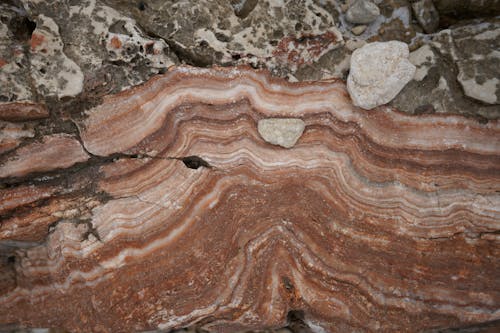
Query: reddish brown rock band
point(184, 215)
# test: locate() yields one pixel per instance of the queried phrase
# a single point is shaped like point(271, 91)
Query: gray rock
point(477, 57)
point(426, 14)
point(362, 12)
point(467, 49)
point(262, 33)
point(378, 73)
point(281, 131)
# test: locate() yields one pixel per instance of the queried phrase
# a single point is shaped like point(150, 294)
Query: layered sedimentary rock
point(185, 215)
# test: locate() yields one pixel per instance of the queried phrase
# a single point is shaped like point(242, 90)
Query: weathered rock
point(55, 151)
point(86, 48)
point(12, 134)
point(321, 228)
point(378, 73)
point(477, 57)
point(15, 77)
point(439, 64)
point(362, 12)
point(281, 38)
point(426, 14)
point(53, 72)
point(281, 131)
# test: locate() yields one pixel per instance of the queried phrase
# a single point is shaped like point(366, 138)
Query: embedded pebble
point(281, 131)
point(358, 30)
point(378, 73)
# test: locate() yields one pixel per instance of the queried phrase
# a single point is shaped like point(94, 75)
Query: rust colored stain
point(304, 49)
point(36, 40)
point(3, 62)
point(116, 42)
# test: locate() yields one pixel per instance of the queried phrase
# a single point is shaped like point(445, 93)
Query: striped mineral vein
point(373, 220)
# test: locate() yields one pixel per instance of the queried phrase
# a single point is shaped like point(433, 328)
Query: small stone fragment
point(426, 15)
point(362, 12)
point(12, 134)
point(281, 131)
point(378, 73)
point(22, 111)
point(358, 30)
point(353, 44)
point(423, 58)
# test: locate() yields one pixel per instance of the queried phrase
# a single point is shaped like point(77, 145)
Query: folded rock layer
point(372, 221)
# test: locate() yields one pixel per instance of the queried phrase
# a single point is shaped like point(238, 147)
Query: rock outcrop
point(184, 215)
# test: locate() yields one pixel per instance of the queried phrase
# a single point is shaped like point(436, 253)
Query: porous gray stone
point(378, 73)
point(362, 12)
point(281, 131)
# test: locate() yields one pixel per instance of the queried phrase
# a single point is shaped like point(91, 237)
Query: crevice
point(22, 27)
point(182, 54)
point(195, 162)
point(296, 322)
point(287, 284)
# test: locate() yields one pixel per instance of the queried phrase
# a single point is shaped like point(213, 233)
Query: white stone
point(358, 30)
point(378, 73)
point(281, 131)
point(362, 12)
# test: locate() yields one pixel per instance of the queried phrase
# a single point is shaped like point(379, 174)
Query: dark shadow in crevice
point(195, 162)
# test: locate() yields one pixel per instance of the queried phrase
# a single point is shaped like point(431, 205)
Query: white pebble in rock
point(281, 131)
point(378, 73)
point(358, 30)
point(362, 12)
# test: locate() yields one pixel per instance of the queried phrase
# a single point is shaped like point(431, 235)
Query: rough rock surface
point(407, 228)
point(445, 63)
point(477, 55)
point(376, 221)
point(56, 151)
point(281, 131)
point(378, 73)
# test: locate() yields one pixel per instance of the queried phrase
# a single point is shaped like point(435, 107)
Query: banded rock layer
point(184, 215)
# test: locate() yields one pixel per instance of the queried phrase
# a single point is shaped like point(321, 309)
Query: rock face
point(362, 12)
point(281, 131)
point(375, 221)
point(456, 72)
point(477, 58)
point(378, 73)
